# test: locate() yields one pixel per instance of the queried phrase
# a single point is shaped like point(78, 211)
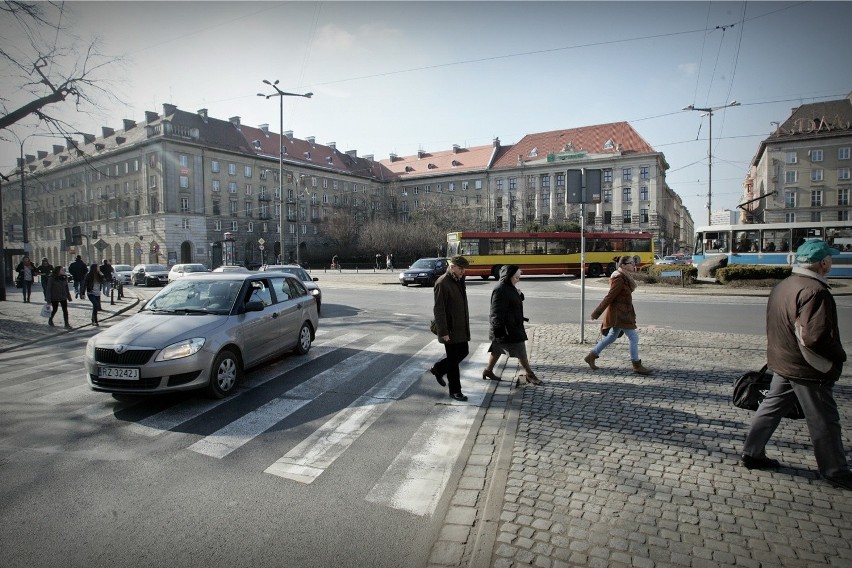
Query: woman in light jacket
point(619, 315)
point(27, 273)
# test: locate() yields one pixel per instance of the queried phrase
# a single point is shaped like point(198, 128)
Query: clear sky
point(402, 76)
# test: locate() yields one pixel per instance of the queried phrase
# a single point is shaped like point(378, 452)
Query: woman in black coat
point(507, 332)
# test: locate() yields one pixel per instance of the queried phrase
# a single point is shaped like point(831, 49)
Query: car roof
point(233, 276)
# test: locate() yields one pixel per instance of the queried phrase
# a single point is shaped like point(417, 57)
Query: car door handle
point(274, 315)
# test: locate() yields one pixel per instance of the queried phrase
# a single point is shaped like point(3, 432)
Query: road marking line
point(317, 452)
point(241, 431)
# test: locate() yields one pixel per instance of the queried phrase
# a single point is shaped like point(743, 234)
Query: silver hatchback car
point(203, 331)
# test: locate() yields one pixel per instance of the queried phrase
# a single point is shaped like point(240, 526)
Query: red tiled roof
point(591, 139)
point(441, 163)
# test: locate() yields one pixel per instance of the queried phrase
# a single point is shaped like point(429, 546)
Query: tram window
point(556, 247)
point(716, 241)
point(800, 235)
point(535, 246)
point(776, 240)
point(746, 241)
point(616, 245)
point(469, 247)
point(840, 238)
point(515, 246)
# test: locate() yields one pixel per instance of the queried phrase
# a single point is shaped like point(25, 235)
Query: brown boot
point(638, 368)
point(590, 359)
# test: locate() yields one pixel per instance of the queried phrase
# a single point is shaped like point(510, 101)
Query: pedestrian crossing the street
point(369, 372)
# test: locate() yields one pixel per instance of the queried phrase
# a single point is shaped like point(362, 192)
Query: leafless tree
point(41, 66)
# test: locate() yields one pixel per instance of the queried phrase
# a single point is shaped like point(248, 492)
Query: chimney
point(332, 145)
point(288, 134)
point(107, 131)
point(29, 158)
point(496, 142)
point(235, 120)
point(42, 154)
point(367, 156)
point(456, 148)
point(202, 112)
point(352, 153)
point(265, 129)
point(393, 157)
point(168, 109)
point(88, 138)
point(151, 116)
point(129, 124)
point(420, 154)
point(58, 149)
point(310, 140)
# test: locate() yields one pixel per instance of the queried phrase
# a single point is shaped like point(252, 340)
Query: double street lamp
point(710, 111)
point(281, 210)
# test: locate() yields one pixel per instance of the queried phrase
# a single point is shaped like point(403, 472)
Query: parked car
point(672, 260)
point(149, 275)
point(224, 268)
point(122, 272)
point(179, 270)
point(300, 273)
point(203, 332)
point(424, 272)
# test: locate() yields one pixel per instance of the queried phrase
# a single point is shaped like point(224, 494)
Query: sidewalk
point(22, 324)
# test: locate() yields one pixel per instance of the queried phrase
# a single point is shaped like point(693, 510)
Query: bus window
point(745, 241)
point(514, 246)
point(637, 245)
point(535, 246)
point(776, 240)
point(495, 246)
point(468, 247)
point(615, 245)
point(556, 247)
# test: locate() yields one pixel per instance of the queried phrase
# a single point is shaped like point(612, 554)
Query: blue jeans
point(27, 289)
point(632, 336)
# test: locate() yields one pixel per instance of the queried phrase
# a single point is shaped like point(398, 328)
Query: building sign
point(816, 125)
point(572, 156)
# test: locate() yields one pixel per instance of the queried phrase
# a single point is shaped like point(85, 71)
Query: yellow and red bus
point(548, 253)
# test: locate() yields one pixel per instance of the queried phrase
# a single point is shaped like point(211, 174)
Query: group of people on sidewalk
point(803, 347)
point(92, 280)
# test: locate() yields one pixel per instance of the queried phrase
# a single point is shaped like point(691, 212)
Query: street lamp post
point(710, 111)
point(281, 211)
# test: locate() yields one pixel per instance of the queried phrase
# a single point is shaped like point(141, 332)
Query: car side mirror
point(315, 279)
point(255, 306)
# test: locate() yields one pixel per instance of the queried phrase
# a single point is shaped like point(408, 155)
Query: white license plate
point(125, 373)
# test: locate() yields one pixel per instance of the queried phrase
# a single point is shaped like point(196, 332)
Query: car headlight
point(401, 275)
point(90, 349)
point(181, 349)
point(424, 274)
point(315, 292)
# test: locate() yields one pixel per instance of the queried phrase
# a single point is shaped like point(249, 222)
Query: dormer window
point(409, 169)
point(284, 150)
point(456, 163)
point(256, 144)
point(432, 166)
point(609, 145)
point(329, 159)
point(533, 153)
point(307, 155)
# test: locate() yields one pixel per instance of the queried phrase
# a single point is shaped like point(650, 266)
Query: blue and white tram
point(774, 243)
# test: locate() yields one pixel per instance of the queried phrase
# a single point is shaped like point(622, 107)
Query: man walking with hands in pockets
point(452, 321)
point(803, 349)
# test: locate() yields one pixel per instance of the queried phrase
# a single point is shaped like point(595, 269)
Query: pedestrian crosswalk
point(369, 372)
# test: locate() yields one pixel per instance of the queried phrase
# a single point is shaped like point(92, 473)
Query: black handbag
point(751, 388)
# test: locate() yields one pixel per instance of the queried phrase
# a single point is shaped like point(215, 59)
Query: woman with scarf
point(92, 284)
point(27, 273)
point(507, 319)
point(619, 315)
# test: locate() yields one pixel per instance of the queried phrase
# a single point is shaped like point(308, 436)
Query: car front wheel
point(224, 374)
point(304, 344)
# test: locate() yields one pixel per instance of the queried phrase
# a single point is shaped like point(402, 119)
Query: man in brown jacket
point(804, 350)
point(453, 324)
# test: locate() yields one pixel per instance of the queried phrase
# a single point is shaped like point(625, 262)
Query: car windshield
point(194, 268)
point(423, 263)
point(191, 296)
point(153, 268)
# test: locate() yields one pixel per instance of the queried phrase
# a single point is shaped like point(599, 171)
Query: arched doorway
point(185, 252)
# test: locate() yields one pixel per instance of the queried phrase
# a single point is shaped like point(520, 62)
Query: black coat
point(507, 314)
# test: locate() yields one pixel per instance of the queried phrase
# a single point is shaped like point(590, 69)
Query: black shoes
point(458, 396)
point(50, 323)
point(841, 480)
point(759, 463)
point(438, 377)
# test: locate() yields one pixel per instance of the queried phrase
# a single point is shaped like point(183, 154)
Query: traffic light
point(68, 238)
point(277, 249)
point(94, 234)
point(76, 235)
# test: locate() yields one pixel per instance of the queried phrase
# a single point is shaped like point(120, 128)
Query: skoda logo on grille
point(120, 349)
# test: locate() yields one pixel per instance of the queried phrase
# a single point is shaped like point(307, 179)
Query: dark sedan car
point(424, 272)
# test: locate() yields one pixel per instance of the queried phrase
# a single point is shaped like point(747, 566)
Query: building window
point(816, 216)
point(184, 205)
point(152, 182)
point(607, 195)
point(792, 157)
point(250, 227)
point(499, 183)
point(185, 224)
point(843, 196)
point(816, 198)
point(513, 183)
point(560, 180)
point(791, 176)
point(234, 226)
point(625, 195)
point(464, 186)
point(233, 207)
point(214, 166)
point(184, 160)
point(232, 169)
point(545, 181)
point(816, 175)
point(625, 216)
point(248, 189)
point(626, 174)
point(531, 182)
point(247, 171)
point(607, 217)
point(477, 183)
point(843, 215)
point(643, 192)
point(607, 176)
point(843, 153)
point(184, 182)
point(248, 209)
point(643, 215)
point(843, 174)
point(232, 187)
point(217, 225)
point(790, 199)
point(644, 172)
point(545, 200)
point(451, 186)
point(816, 155)
point(789, 217)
